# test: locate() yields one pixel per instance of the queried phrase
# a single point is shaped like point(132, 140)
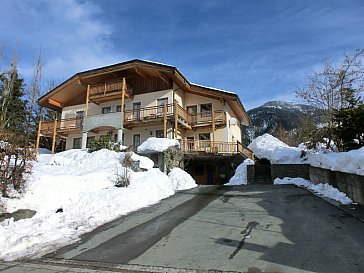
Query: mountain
point(274, 114)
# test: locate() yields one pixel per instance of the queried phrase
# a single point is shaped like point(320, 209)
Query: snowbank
point(82, 184)
point(154, 144)
point(181, 180)
point(324, 190)
point(349, 162)
point(240, 177)
point(276, 151)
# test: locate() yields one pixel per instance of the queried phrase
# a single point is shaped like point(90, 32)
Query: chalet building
point(137, 99)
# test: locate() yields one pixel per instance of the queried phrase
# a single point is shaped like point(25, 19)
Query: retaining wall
point(351, 184)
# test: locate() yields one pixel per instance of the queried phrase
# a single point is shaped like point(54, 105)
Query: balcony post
point(87, 98)
point(54, 136)
point(120, 135)
point(175, 120)
point(38, 136)
point(213, 129)
point(121, 130)
point(164, 120)
point(84, 140)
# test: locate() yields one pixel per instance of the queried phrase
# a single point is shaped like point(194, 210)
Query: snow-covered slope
point(82, 184)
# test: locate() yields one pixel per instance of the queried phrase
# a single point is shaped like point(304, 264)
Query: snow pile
point(82, 184)
point(349, 162)
point(181, 180)
point(240, 176)
point(324, 190)
point(154, 144)
point(276, 151)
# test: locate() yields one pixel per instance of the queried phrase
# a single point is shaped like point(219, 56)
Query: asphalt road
point(257, 228)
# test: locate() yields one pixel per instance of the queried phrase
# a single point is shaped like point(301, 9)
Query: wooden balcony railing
point(62, 126)
point(147, 113)
point(107, 91)
point(204, 118)
point(210, 146)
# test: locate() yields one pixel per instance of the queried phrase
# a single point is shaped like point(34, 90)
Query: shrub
point(123, 178)
point(105, 142)
point(15, 161)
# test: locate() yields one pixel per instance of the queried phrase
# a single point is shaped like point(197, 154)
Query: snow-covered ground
point(82, 184)
point(320, 189)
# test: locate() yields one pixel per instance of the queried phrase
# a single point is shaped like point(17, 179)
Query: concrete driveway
point(257, 228)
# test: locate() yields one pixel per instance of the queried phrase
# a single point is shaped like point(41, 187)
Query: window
point(89, 140)
point(118, 108)
point(136, 140)
point(204, 136)
point(106, 110)
point(206, 109)
point(159, 133)
point(79, 114)
point(77, 143)
point(190, 142)
point(160, 103)
point(79, 119)
point(192, 110)
point(136, 110)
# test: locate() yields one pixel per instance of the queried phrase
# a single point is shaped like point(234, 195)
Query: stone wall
point(289, 170)
point(351, 184)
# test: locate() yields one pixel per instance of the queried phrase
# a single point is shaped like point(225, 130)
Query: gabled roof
point(74, 88)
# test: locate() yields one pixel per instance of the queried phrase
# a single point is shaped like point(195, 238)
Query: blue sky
point(260, 49)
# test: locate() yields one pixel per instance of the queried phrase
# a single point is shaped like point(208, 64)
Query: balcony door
point(136, 110)
point(160, 103)
point(206, 109)
point(79, 119)
point(136, 141)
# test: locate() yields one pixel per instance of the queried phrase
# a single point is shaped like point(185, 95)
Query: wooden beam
point(163, 77)
point(164, 120)
point(87, 99)
point(123, 91)
point(38, 136)
point(56, 103)
point(140, 73)
point(54, 135)
point(82, 82)
point(213, 129)
point(175, 120)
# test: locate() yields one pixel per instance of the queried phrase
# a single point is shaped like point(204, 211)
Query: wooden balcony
point(215, 147)
point(107, 92)
point(63, 126)
point(156, 113)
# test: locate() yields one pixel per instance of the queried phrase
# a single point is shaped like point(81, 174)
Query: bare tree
point(335, 87)
point(7, 89)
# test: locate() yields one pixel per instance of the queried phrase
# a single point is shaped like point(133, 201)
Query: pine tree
point(13, 114)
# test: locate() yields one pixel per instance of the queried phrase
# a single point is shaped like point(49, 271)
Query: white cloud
point(72, 35)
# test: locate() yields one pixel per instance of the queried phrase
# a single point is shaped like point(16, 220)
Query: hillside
point(273, 114)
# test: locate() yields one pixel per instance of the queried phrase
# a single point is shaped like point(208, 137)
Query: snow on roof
point(213, 88)
point(154, 144)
